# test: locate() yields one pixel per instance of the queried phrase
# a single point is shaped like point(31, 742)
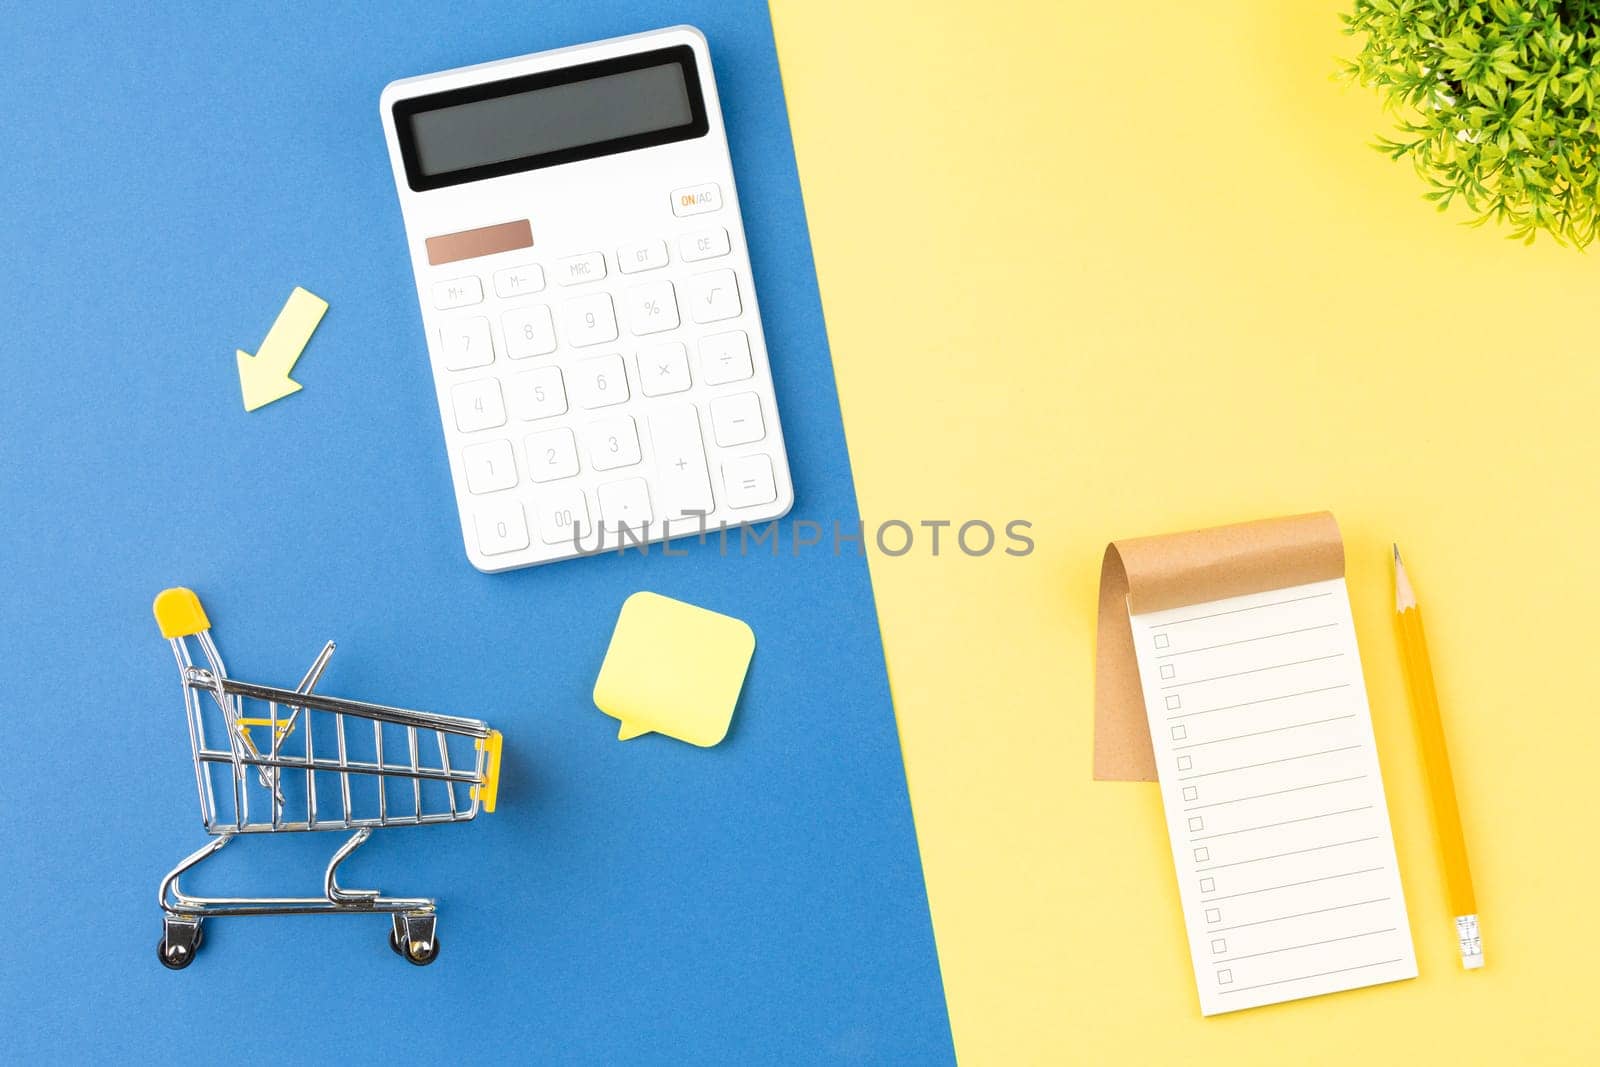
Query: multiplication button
point(664, 369)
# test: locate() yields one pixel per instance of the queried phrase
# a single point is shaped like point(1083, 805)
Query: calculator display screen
point(549, 118)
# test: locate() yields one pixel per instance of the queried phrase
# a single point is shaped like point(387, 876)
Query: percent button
point(652, 308)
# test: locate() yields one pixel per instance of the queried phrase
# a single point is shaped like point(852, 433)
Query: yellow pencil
point(1436, 763)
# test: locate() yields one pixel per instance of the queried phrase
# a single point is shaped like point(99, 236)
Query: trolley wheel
point(177, 961)
point(406, 953)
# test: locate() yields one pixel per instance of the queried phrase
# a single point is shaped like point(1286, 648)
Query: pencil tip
point(1396, 548)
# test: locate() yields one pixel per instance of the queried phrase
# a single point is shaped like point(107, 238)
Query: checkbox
point(1218, 946)
point(1184, 763)
point(1208, 885)
point(1225, 976)
point(1179, 733)
point(1174, 702)
point(1202, 854)
point(1196, 823)
point(1191, 793)
point(1161, 641)
point(1213, 915)
point(1168, 670)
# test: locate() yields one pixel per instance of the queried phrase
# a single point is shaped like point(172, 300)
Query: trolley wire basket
point(271, 760)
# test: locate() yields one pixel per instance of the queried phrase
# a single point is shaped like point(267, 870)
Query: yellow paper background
point(1127, 268)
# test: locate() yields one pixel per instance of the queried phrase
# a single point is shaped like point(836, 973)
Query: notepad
point(1261, 738)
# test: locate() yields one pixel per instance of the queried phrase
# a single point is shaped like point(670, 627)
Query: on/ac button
point(697, 199)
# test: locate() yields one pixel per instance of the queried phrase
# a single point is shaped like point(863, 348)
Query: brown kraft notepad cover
point(1145, 574)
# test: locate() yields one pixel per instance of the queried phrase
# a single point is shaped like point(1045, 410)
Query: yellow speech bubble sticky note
point(673, 669)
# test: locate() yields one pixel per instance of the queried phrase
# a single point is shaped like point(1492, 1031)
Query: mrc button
point(696, 199)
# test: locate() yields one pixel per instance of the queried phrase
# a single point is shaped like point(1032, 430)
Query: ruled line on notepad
point(1258, 733)
point(1235, 611)
point(1281, 855)
point(1292, 885)
point(1268, 763)
point(1298, 915)
point(1263, 700)
point(1307, 977)
point(1274, 793)
point(1255, 670)
point(1285, 822)
point(1247, 640)
point(1310, 944)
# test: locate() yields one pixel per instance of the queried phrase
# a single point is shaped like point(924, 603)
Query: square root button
point(748, 481)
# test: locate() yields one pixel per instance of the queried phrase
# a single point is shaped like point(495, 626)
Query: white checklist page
point(1269, 776)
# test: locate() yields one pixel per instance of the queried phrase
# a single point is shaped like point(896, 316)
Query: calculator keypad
point(613, 399)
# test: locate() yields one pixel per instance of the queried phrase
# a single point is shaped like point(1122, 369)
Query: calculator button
point(703, 244)
point(714, 296)
point(518, 281)
point(612, 443)
point(465, 343)
point(625, 503)
point(563, 515)
point(652, 308)
point(501, 527)
point(478, 405)
point(529, 332)
point(646, 256)
point(591, 320)
point(536, 394)
point(575, 270)
point(457, 293)
point(696, 199)
point(681, 462)
point(664, 369)
point(600, 382)
point(490, 466)
point(736, 420)
point(552, 455)
point(725, 357)
point(747, 481)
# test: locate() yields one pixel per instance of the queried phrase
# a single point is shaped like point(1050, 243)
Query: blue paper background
point(167, 178)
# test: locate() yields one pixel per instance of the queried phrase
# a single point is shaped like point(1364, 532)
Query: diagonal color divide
point(264, 377)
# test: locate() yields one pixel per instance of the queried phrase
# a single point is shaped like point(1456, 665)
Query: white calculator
point(585, 286)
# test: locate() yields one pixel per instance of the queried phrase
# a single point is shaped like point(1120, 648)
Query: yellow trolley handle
point(179, 614)
point(489, 791)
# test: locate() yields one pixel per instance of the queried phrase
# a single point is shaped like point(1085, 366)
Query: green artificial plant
point(1496, 105)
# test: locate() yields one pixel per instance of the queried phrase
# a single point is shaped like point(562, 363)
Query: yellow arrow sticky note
point(264, 377)
point(673, 669)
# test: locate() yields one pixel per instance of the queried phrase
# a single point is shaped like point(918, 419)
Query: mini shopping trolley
point(269, 761)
